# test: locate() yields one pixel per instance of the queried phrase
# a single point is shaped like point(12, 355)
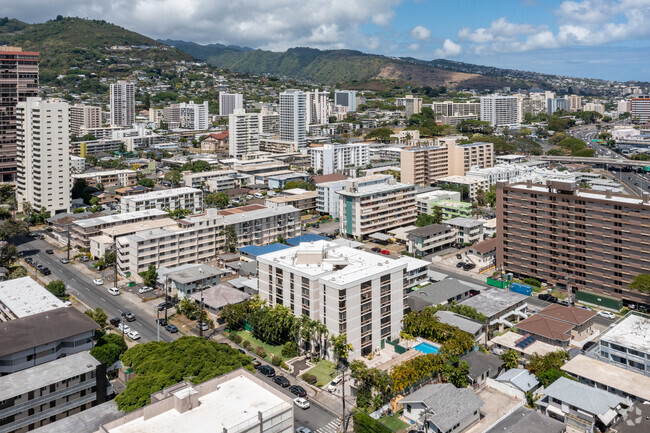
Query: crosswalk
point(331, 427)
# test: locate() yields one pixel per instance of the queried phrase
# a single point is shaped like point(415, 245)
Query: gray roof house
point(217, 297)
point(442, 292)
point(520, 378)
point(443, 406)
point(481, 366)
point(585, 406)
point(527, 420)
point(463, 323)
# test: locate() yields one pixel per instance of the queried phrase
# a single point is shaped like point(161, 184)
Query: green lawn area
point(393, 422)
point(275, 350)
point(324, 371)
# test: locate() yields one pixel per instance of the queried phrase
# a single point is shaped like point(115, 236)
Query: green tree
point(199, 166)
point(425, 219)
point(57, 288)
point(12, 227)
point(98, 315)
point(178, 213)
point(173, 176)
point(18, 272)
point(122, 148)
point(146, 182)
point(234, 315)
point(94, 201)
point(218, 199)
point(8, 255)
point(300, 184)
point(110, 257)
point(380, 134)
point(108, 348)
point(341, 348)
point(158, 365)
point(231, 238)
point(641, 283)
point(510, 358)
point(149, 276)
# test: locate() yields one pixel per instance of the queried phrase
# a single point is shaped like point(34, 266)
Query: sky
point(608, 39)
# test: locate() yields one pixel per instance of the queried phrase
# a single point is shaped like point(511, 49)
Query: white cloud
point(449, 49)
point(414, 47)
point(269, 24)
point(420, 33)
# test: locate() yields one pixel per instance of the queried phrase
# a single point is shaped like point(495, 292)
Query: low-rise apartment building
point(351, 291)
point(43, 337)
point(559, 325)
point(366, 209)
point(304, 201)
point(470, 185)
point(201, 179)
point(260, 225)
point(332, 158)
point(430, 239)
point(44, 394)
point(627, 343)
point(468, 230)
point(82, 230)
point(168, 199)
point(327, 200)
point(105, 242)
point(22, 297)
point(108, 178)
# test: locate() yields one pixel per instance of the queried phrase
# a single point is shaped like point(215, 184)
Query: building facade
point(293, 117)
point(18, 81)
point(86, 116)
point(640, 107)
point(244, 133)
point(176, 198)
point(109, 178)
point(331, 158)
point(229, 102)
point(318, 107)
point(565, 236)
point(82, 230)
point(122, 103)
point(346, 98)
point(500, 110)
point(43, 155)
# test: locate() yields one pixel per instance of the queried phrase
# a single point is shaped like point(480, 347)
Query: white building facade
point(333, 158)
point(243, 133)
point(176, 198)
point(293, 117)
point(122, 103)
point(500, 110)
point(229, 102)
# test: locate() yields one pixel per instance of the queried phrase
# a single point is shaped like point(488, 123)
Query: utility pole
point(68, 242)
point(165, 297)
point(201, 314)
point(115, 266)
point(343, 426)
point(157, 325)
point(123, 343)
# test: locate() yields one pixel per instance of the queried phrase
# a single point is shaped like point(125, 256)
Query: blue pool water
point(426, 348)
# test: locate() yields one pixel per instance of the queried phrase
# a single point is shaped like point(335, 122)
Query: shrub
point(276, 360)
point(247, 344)
point(532, 282)
point(231, 336)
point(237, 339)
point(284, 366)
point(309, 378)
point(290, 349)
point(259, 350)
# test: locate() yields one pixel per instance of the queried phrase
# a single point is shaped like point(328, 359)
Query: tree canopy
point(217, 199)
point(641, 283)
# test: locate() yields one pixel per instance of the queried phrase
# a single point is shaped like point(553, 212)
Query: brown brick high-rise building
point(590, 240)
point(18, 81)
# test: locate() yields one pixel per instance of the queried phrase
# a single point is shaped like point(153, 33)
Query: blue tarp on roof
point(309, 237)
point(256, 250)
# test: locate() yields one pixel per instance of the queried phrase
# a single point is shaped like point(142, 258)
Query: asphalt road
point(82, 287)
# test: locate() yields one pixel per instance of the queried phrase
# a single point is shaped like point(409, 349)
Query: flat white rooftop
point(101, 173)
point(234, 402)
point(24, 297)
point(633, 332)
point(120, 217)
point(153, 195)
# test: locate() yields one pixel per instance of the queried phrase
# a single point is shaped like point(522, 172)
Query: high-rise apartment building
point(18, 81)
point(450, 108)
point(412, 105)
point(244, 132)
point(332, 158)
point(584, 239)
point(366, 209)
point(556, 104)
point(293, 117)
point(194, 116)
point(350, 291)
point(500, 110)
point(640, 106)
point(84, 116)
point(43, 154)
point(575, 103)
point(229, 102)
point(346, 98)
point(317, 107)
point(122, 103)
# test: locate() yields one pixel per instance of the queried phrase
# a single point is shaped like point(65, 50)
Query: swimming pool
point(426, 348)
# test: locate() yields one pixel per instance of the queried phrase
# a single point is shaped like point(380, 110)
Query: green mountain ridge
point(69, 43)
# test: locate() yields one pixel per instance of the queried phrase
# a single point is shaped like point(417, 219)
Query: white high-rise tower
point(293, 116)
point(122, 103)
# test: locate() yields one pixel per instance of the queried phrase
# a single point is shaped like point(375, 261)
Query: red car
point(385, 252)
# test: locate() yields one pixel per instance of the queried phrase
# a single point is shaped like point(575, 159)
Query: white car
point(114, 291)
point(334, 383)
point(124, 328)
point(301, 403)
point(303, 430)
point(98, 281)
point(145, 289)
point(606, 314)
point(133, 335)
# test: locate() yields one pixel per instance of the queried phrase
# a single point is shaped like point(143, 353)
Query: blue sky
point(607, 39)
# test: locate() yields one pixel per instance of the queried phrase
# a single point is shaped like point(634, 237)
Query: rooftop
point(440, 292)
point(102, 173)
point(256, 250)
point(233, 402)
point(519, 377)
point(584, 397)
point(615, 198)
point(529, 421)
point(123, 229)
point(461, 322)
point(632, 331)
point(574, 315)
point(546, 327)
point(309, 237)
point(493, 301)
point(328, 178)
point(480, 363)
point(294, 197)
point(190, 273)
point(41, 375)
point(508, 340)
point(486, 246)
point(635, 421)
point(24, 297)
point(120, 217)
point(261, 213)
point(468, 180)
point(430, 230)
point(154, 195)
point(376, 189)
point(465, 222)
point(220, 295)
point(607, 374)
point(87, 421)
point(42, 328)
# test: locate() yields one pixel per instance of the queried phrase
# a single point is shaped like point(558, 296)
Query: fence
point(398, 349)
point(497, 283)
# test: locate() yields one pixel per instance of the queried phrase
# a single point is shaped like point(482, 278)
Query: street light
point(568, 287)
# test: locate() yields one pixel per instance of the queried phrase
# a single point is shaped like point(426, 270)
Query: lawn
point(393, 422)
point(275, 350)
point(324, 371)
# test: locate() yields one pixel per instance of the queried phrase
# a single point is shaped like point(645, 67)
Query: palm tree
point(321, 333)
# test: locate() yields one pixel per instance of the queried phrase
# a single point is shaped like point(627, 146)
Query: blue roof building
point(309, 237)
point(252, 251)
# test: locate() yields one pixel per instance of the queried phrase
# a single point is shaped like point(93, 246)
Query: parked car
point(256, 363)
point(161, 322)
point(34, 234)
point(282, 381)
point(334, 383)
point(124, 328)
point(376, 249)
point(546, 297)
point(129, 316)
point(133, 335)
point(301, 403)
point(298, 390)
point(29, 260)
point(303, 430)
point(115, 321)
point(564, 303)
point(83, 258)
point(242, 351)
point(65, 261)
point(114, 291)
point(460, 264)
point(385, 252)
point(165, 305)
point(171, 328)
point(202, 325)
point(98, 281)
point(606, 315)
point(46, 271)
point(584, 307)
point(459, 256)
point(266, 370)
point(39, 266)
point(145, 289)
point(49, 252)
